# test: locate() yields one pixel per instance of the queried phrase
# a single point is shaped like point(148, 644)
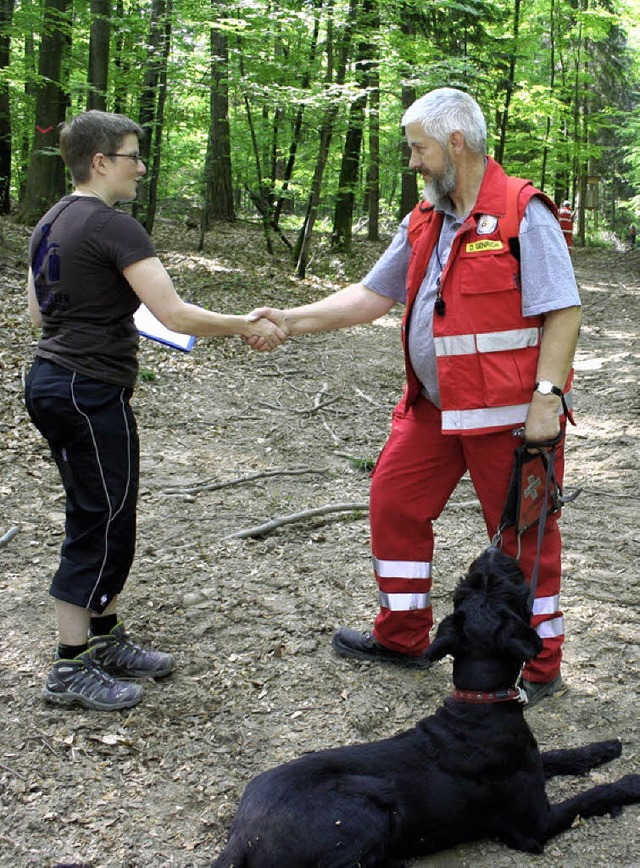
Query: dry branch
point(280, 521)
point(211, 485)
point(9, 535)
point(268, 526)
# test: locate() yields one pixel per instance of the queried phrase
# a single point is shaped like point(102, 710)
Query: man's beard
point(441, 186)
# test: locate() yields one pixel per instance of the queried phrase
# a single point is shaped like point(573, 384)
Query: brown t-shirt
point(77, 253)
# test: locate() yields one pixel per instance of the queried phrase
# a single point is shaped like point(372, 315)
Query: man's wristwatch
point(546, 387)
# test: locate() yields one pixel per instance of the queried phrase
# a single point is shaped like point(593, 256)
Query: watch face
point(545, 387)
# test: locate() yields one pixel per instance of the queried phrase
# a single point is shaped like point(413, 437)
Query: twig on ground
point(9, 535)
point(366, 397)
point(268, 526)
point(280, 521)
point(601, 492)
point(12, 772)
point(212, 485)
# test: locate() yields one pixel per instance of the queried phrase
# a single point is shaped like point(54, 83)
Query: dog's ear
point(446, 640)
point(518, 640)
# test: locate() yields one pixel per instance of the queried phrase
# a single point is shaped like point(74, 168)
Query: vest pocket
point(482, 273)
point(508, 377)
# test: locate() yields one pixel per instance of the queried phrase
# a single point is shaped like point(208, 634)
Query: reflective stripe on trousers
point(417, 472)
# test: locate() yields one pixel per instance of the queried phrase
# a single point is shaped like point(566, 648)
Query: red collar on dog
point(494, 696)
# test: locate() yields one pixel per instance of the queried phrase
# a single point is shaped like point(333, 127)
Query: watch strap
point(556, 390)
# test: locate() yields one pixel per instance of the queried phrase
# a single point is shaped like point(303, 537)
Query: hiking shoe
point(119, 655)
point(82, 681)
point(537, 690)
point(363, 646)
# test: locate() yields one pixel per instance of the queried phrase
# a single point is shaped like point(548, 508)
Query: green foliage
point(146, 375)
point(573, 100)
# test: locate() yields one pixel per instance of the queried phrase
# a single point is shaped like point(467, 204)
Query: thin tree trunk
point(373, 169)
point(552, 81)
point(408, 192)
point(153, 95)
point(262, 198)
point(121, 63)
point(218, 196)
point(158, 127)
point(98, 78)
point(503, 115)
point(350, 167)
point(297, 126)
point(6, 14)
point(46, 178)
point(326, 133)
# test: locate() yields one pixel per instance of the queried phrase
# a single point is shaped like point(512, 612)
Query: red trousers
point(416, 473)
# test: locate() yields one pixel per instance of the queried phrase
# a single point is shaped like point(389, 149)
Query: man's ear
point(456, 142)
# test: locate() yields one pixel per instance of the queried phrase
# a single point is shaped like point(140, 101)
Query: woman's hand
point(264, 334)
point(271, 329)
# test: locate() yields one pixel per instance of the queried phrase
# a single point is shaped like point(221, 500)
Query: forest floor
point(232, 439)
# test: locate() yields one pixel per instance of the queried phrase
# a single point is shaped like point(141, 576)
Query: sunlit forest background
point(288, 112)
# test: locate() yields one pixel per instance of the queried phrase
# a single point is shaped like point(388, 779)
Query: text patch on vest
point(485, 244)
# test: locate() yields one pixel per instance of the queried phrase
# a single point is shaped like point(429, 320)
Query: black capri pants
point(93, 437)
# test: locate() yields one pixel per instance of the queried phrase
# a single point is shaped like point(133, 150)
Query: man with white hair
point(490, 329)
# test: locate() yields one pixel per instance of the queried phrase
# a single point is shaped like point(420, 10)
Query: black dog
point(472, 770)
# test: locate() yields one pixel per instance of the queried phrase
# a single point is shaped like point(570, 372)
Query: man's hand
point(269, 318)
point(543, 422)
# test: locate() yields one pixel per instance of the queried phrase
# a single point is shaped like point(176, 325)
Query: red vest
point(565, 216)
point(487, 352)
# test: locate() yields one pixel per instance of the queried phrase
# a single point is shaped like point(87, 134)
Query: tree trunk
point(552, 82)
point(409, 191)
point(156, 145)
point(350, 166)
point(218, 196)
point(151, 108)
point(373, 170)
point(301, 251)
point(297, 125)
point(509, 86)
point(46, 178)
point(121, 63)
point(6, 14)
point(98, 78)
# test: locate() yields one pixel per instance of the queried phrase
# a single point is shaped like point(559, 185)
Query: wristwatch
point(546, 387)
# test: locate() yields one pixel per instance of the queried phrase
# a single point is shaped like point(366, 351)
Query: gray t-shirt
point(546, 274)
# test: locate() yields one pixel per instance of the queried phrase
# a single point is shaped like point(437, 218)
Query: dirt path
point(250, 620)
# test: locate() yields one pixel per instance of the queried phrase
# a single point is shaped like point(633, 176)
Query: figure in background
point(631, 235)
point(565, 216)
point(490, 329)
point(91, 266)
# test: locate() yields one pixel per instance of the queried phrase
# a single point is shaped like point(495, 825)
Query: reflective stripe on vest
point(491, 417)
point(402, 569)
point(484, 417)
point(551, 629)
point(487, 342)
point(405, 602)
point(546, 605)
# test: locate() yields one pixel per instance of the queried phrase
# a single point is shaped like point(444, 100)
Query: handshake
point(267, 329)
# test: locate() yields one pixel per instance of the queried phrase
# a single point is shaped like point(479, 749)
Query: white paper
point(151, 327)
